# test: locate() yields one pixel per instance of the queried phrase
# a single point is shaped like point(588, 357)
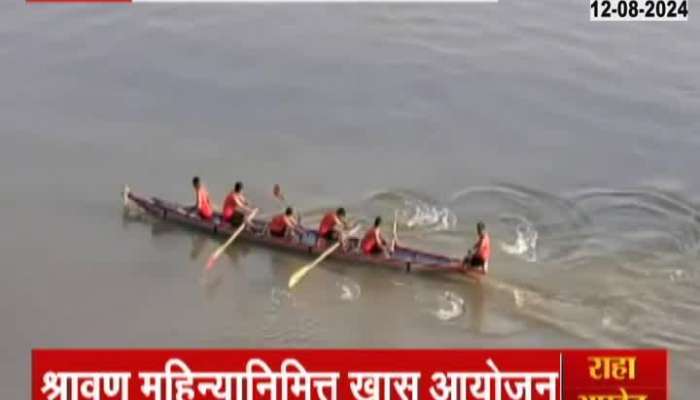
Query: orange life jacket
point(203, 203)
point(278, 224)
point(485, 248)
point(230, 204)
point(369, 243)
point(328, 223)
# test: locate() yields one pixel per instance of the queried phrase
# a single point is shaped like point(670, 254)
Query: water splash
point(525, 244)
point(415, 211)
point(421, 215)
point(445, 306)
point(450, 306)
point(677, 275)
point(349, 290)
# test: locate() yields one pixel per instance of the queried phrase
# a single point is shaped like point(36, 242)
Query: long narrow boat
point(403, 257)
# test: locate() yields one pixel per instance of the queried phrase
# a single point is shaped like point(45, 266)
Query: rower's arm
point(243, 204)
point(294, 224)
point(381, 241)
point(195, 207)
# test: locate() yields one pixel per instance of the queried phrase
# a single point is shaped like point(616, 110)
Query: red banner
point(349, 374)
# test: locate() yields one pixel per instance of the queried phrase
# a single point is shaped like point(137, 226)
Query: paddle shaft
point(277, 192)
point(297, 276)
point(230, 240)
point(324, 255)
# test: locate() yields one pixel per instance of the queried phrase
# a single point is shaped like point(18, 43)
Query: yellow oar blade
point(219, 251)
point(301, 272)
point(297, 276)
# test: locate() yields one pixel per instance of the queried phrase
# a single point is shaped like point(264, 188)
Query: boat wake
point(537, 226)
point(620, 265)
point(581, 225)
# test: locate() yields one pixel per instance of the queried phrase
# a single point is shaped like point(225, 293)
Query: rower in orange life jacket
point(202, 203)
point(373, 243)
point(235, 206)
point(285, 225)
point(479, 255)
point(332, 225)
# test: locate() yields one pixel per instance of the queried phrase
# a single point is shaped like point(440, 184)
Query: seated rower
point(373, 243)
point(332, 225)
point(285, 225)
point(479, 255)
point(202, 203)
point(236, 206)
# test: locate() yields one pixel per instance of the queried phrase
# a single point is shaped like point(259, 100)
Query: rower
point(478, 257)
point(236, 206)
point(285, 225)
point(202, 203)
point(374, 243)
point(332, 225)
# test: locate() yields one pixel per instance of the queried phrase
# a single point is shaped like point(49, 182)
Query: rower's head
point(377, 222)
point(289, 211)
point(340, 212)
point(480, 228)
point(238, 186)
point(195, 182)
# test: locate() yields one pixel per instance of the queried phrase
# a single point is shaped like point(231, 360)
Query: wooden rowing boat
point(403, 257)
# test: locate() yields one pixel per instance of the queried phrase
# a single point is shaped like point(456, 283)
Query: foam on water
point(349, 290)
point(417, 214)
point(450, 306)
point(445, 306)
point(415, 211)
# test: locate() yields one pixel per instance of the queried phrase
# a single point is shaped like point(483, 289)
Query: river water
point(576, 142)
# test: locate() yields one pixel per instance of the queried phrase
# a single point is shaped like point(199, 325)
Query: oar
point(222, 248)
point(277, 192)
point(297, 276)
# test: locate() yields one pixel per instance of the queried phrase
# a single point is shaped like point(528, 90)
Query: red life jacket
point(203, 203)
point(485, 248)
point(230, 204)
point(369, 242)
point(278, 224)
point(328, 223)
